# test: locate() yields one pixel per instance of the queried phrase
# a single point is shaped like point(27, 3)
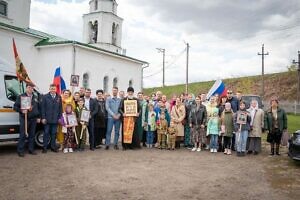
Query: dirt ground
point(146, 174)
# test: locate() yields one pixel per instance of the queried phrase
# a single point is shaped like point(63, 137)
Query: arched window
point(105, 84)
point(3, 8)
point(115, 82)
point(85, 80)
point(130, 84)
point(96, 4)
point(114, 34)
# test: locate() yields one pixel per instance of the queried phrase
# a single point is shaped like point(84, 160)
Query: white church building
point(99, 59)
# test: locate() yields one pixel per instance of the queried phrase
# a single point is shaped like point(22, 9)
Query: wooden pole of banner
point(26, 126)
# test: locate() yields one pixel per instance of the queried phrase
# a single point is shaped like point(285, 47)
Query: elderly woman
point(275, 124)
point(177, 116)
point(256, 128)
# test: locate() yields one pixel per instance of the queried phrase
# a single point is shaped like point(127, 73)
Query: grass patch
point(293, 123)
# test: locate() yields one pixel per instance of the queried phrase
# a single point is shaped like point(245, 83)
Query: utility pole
point(187, 68)
point(263, 54)
point(298, 92)
point(163, 51)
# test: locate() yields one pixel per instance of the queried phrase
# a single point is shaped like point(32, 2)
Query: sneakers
point(229, 152)
point(211, 150)
point(215, 150)
point(226, 151)
point(198, 149)
point(66, 150)
point(70, 150)
point(194, 149)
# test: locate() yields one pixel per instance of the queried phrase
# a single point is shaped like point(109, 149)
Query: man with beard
point(130, 135)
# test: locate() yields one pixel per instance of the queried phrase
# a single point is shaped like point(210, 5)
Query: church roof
point(49, 40)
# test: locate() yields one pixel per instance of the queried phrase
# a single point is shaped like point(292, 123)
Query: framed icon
point(130, 107)
point(74, 80)
point(72, 120)
point(25, 103)
point(242, 118)
point(85, 116)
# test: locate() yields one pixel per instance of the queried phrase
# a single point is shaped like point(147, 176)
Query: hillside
point(282, 84)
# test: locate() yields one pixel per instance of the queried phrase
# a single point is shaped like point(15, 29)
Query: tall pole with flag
point(59, 81)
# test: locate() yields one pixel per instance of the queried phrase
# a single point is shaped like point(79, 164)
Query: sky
point(224, 36)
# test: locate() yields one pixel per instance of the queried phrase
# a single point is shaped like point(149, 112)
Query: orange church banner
point(20, 68)
point(128, 128)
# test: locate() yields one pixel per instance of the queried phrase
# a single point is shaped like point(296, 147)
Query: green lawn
point(293, 123)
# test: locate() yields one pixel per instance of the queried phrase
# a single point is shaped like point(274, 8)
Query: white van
point(10, 89)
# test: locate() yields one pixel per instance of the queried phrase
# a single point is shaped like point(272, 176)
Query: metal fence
point(288, 106)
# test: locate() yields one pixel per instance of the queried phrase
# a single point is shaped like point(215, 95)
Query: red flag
point(20, 68)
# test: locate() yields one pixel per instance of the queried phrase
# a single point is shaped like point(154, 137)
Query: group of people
point(220, 124)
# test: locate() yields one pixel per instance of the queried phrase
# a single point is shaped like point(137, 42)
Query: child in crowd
point(171, 136)
point(150, 125)
point(213, 127)
point(68, 128)
point(81, 129)
point(227, 127)
point(162, 127)
point(242, 121)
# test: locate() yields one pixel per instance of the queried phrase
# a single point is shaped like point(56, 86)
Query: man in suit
point(33, 115)
point(92, 106)
point(51, 112)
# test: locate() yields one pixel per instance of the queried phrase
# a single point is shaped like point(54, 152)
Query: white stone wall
point(18, 13)
point(42, 62)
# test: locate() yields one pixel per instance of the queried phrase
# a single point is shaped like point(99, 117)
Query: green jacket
point(281, 116)
point(227, 120)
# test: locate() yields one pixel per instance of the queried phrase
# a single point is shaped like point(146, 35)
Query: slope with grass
point(282, 84)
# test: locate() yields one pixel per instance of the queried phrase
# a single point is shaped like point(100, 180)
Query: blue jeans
point(50, 132)
point(150, 137)
point(110, 124)
point(241, 140)
point(31, 125)
point(213, 142)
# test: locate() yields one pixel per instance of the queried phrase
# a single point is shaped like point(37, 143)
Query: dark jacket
point(198, 116)
point(34, 113)
point(281, 116)
point(235, 104)
point(101, 117)
point(51, 108)
point(93, 108)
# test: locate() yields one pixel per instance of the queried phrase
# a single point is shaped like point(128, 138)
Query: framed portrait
point(74, 80)
point(85, 116)
point(72, 120)
point(130, 107)
point(242, 118)
point(25, 103)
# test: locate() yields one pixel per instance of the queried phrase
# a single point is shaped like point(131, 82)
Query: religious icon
point(72, 120)
point(74, 80)
point(85, 116)
point(242, 118)
point(130, 107)
point(25, 103)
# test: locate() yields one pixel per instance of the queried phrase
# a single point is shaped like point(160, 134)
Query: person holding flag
point(27, 126)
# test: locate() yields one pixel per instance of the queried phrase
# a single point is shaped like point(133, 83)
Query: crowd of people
point(221, 124)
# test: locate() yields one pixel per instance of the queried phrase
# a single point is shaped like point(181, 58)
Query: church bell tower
point(102, 27)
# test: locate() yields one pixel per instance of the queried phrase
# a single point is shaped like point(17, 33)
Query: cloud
point(225, 36)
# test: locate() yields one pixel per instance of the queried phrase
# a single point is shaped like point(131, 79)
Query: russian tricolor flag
point(59, 81)
point(218, 88)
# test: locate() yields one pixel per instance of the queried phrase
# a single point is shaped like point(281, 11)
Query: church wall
point(99, 65)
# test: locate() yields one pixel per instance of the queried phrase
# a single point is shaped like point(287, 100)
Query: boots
point(277, 150)
point(272, 150)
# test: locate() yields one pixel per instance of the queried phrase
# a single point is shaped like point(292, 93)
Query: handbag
point(285, 138)
point(269, 137)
